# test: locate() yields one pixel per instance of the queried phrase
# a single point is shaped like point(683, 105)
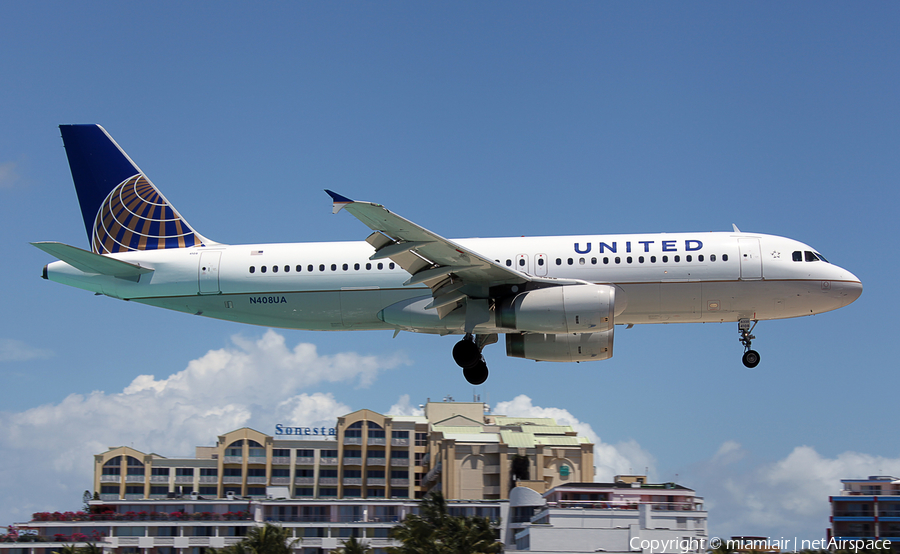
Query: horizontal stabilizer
point(89, 262)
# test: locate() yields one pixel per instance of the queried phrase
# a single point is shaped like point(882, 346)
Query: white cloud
point(404, 408)
point(609, 460)
point(8, 175)
point(786, 498)
point(48, 450)
point(12, 350)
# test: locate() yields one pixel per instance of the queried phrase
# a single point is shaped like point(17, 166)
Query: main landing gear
point(467, 355)
point(750, 357)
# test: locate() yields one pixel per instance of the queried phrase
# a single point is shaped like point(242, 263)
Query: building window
point(421, 439)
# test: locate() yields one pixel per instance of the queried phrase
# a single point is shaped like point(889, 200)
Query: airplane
point(555, 298)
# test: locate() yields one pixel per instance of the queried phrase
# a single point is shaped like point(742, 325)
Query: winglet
point(338, 201)
point(736, 230)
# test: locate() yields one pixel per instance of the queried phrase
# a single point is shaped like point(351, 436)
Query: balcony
point(209, 479)
point(256, 480)
point(399, 462)
point(232, 459)
point(375, 461)
point(352, 481)
point(159, 478)
point(352, 461)
point(110, 478)
point(352, 440)
point(257, 460)
point(281, 480)
point(328, 461)
point(232, 479)
point(379, 441)
point(134, 497)
point(399, 482)
point(184, 478)
point(328, 480)
point(304, 480)
point(109, 497)
point(306, 460)
point(281, 460)
point(399, 442)
point(375, 481)
point(134, 478)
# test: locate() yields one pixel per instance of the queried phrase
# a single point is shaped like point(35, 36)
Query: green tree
point(269, 539)
point(353, 546)
point(435, 531)
point(67, 549)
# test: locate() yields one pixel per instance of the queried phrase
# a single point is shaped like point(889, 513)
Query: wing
point(452, 271)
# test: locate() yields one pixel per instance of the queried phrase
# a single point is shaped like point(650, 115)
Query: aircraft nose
point(850, 287)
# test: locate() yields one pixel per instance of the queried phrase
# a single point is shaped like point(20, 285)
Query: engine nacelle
point(579, 347)
point(563, 309)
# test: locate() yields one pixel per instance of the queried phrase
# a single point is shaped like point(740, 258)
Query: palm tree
point(90, 548)
point(353, 546)
point(269, 539)
point(67, 549)
point(435, 531)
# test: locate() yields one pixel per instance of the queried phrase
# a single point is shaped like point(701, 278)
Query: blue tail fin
point(122, 209)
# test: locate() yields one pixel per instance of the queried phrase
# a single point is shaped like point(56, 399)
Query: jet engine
point(564, 309)
point(577, 347)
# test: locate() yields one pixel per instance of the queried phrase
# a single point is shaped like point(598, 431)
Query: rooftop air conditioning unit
point(229, 495)
point(195, 495)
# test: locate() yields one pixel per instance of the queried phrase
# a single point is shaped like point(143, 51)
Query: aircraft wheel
point(466, 353)
point(751, 358)
point(477, 374)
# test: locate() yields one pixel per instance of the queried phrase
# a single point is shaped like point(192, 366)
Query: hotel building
point(867, 509)
point(361, 478)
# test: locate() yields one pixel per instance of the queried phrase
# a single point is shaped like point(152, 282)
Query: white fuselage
point(659, 278)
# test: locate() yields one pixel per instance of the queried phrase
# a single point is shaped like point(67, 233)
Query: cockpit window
point(810, 256)
point(821, 257)
point(797, 256)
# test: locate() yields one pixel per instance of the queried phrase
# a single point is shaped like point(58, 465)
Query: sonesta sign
point(281, 429)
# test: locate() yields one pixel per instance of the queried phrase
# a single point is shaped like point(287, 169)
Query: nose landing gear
point(750, 357)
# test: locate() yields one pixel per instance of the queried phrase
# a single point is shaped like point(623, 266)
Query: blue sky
point(473, 120)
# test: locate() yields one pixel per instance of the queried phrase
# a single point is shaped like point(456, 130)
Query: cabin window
point(345, 267)
point(665, 259)
point(687, 258)
point(262, 269)
point(521, 262)
point(287, 269)
point(652, 259)
point(368, 266)
point(299, 268)
point(712, 257)
point(558, 261)
point(391, 265)
point(333, 267)
point(541, 261)
point(724, 257)
point(309, 268)
point(640, 259)
point(321, 267)
point(593, 261)
point(380, 265)
point(606, 260)
point(571, 261)
point(700, 258)
point(274, 269)
point(677, 258)
point(508, 263)
point(618, 260)
point(580, 261)
point(628, 259)
point(252, 269)
point(356, 267)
